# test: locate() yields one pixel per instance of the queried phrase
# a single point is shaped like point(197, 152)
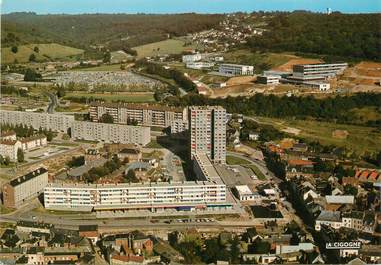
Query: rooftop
point(136, 106)
point(340, 199)
point(17, 181)
point(329, 216)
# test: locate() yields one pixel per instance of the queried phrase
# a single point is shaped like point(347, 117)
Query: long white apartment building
point(111, 133)
point(177, 195)
point(236, 69)
point(143, 114)
point(320, 71)
point(207, 127)
point(54, 122)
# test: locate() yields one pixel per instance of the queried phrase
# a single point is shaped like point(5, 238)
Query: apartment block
point(24, 188)
point(143, 114)
point(306, 72)
point(186, 195)
point(111, 133)
point(34, 141)
point(236, 69)
point(8, 135)
point(179, 126)
point(8, 148)
point(54, 122)
point(207, 127)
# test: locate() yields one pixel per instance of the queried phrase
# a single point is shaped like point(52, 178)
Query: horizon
point(73, 7)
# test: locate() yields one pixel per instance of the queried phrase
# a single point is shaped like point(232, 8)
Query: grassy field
point(128, 97)
point(170, 46)
point(248, 57)
point(256, 171)
point(46, 52)
point(232, 160)
point(360, 139)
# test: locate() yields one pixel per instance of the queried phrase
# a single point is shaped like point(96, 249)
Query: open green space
point(45, 52)
point(264, 212)
point(232, 160)
point(256, 171)
point(127, 97)
point(170, 46)
point(262, 61)
point(360, 139)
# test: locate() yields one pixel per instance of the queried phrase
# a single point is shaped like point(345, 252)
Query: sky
point(184, 6)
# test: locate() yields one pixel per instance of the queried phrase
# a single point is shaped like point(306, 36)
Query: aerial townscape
point(178, 137)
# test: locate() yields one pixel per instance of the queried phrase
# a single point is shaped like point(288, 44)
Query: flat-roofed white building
point(54, 122)
point(207, 127)
point(268, 79)
point(236, 69)
point(317, 71)
point(190, 58)
point(179, 126)
point(321, 86)
point(111, 133)
point(24, 188)
point(186, 195)
point(199, 65)
point(244, 193)
point(34, 141)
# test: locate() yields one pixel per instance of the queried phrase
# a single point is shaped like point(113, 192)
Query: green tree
point(14, 49)
point(32, 75)
point(107, 118)
point(36, 49)
point(131, 176)
point(20, 155)
point(61, 92)
point(1, 160)
point(107, 57)
point(32, 58)
point(7, 160)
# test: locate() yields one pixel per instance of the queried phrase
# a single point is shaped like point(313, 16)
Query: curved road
point(53, 102)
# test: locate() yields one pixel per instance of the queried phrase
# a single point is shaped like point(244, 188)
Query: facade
point(24, 188)
point(244, 193)
point(8, 148)
point(199, 65)
point(111, 133)
point(179, 126)
point(268, 79)
point(319, 71)
point(33, 142)
point(321, 86)
point(54, 122)
point(8, 135)
point(168, 195)
point(207, 127)
point(143, 114)
point(236, 69)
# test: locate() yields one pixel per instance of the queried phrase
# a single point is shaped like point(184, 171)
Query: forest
point(117, 31)
point(334, 109)
point(338, 35)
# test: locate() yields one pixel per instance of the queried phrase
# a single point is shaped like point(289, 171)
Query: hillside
point(337, 35)
point(114, 31)
point(45, 52)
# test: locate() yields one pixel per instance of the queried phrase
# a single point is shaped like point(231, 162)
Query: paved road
point(53, 102)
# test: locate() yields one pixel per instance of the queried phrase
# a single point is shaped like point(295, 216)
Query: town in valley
point(248, 137)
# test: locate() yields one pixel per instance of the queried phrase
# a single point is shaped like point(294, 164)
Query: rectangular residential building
point(166, 195)
point(318, 71)
point(236, 69)
point(34, 141)
point(143, 114)
point(54, 122)
point(8, 148)
point(24, 188)
point(111, 133)
point(268, 79)
point(207, 127)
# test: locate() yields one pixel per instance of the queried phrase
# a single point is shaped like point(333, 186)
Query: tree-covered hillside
point(114, 30)
point(342, 35)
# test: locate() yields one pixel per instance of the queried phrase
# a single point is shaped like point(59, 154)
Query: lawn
point(248, 57)
point(48, 51)
point(256, 171)
point(170, 46)
point(127, 97)
point(232, 160)
point(361, 139)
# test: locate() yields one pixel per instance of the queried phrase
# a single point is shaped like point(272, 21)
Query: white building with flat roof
point(207, 127)
point(319, 71)
point(236, 69)
point(54, 122)
point(186, 195)
point(111, 133)
point(8, 148)
point(268, 79)
point(244, 193)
